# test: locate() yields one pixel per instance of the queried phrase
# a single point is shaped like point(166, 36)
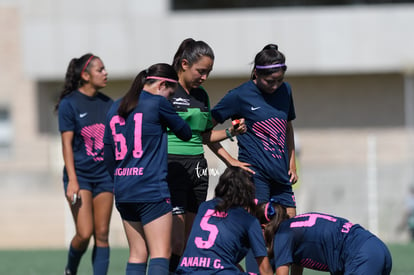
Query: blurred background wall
point(350, 64)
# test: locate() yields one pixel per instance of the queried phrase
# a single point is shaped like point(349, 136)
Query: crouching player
point(320, 242)
point(224, 230)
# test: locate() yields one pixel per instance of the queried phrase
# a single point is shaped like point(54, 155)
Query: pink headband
point(270, 66)
point(162, 78)
point(87, 63)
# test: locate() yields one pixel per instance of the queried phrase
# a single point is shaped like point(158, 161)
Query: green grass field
point(51, 262)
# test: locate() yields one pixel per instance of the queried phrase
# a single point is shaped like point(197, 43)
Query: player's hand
point(72, 192)
point(243, 165)
point(293, 176)
point(239, 127)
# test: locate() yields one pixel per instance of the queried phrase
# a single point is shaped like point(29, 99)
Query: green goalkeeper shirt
point(194, 108)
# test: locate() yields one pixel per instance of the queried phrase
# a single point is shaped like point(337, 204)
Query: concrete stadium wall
point(129, 35)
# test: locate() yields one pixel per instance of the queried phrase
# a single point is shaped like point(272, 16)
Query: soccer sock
point(74, 257)
point(100, 260)
point(158, 266)
point(251, 263)
point(174, 262)
point(136, 268)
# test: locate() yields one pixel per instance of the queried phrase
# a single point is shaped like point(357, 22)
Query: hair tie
point(269, 210)
point(274, 47)
point(271, 66)
point(86, 64)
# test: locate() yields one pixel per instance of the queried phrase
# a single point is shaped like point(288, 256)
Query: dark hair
point(267, 56)
point(73, 79)
point(192, 51)
point(130, 99)
point(271, 221)
point(235, 189)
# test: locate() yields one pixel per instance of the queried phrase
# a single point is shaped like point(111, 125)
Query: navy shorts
point(188, 182)
point(372, 258)
point(281, 193)
point(144, 212)
point(95, 187)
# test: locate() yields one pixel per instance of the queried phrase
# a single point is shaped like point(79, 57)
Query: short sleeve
point(173, 121)
point(209, 119)
point(226, 108)
point(283, 245)
point(66, 116)
point(256, 240)
point(291, 113)
point(108, 139)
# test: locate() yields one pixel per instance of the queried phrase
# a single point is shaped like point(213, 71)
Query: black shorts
point(188, 182)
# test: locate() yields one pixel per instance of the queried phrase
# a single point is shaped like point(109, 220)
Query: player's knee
point(83, 240)
point(101, 235)
point(84, 235)
point(137, 255)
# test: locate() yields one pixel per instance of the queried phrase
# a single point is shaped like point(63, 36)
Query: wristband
point(228, 134)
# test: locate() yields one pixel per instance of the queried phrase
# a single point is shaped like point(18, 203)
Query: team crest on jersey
point(181, 101)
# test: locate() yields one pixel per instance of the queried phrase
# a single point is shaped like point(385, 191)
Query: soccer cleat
point(67, 272)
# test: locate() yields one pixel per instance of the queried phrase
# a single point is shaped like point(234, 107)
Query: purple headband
point(271, 66)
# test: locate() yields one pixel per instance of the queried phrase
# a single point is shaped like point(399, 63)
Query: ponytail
point(270, 221)
point(150, 75)
point(191, 51)
point(73, 77)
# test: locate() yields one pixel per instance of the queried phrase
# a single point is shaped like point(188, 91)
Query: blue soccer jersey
point(318, 241)
point(219, 241)
point(140, 147)
point(264, 144)
point(85, 116)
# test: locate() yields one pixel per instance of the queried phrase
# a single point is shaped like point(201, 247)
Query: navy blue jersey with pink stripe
point(218, 241)
point(140, 148)
point(318, 241)
point(264, 144)
point(85, 116)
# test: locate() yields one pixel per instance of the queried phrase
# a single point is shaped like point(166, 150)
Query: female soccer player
point(136, 154)
point(224, 230)
point(88, 186)
point(193, 62)
point(266, 103)
point(321, 242)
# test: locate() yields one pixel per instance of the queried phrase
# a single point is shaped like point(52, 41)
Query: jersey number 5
point(120, 141)
point(207, 227)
